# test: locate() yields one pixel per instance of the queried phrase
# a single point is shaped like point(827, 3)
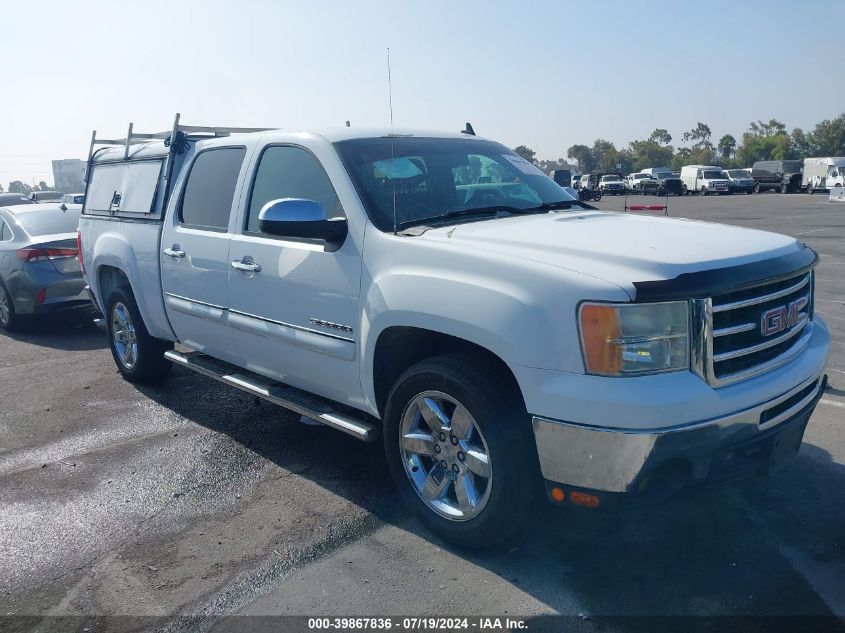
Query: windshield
point(610, 178)
point(48, 222)
point(640, 176)
point(712, 174)
point(793, 166)
point(430, 177)
point(737, 173)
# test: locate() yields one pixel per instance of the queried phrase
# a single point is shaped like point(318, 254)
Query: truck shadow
point(726, 551)
point(68, 332)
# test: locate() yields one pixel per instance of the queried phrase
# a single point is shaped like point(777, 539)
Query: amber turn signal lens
point(600, 326)
point(558, 495)
point(583, 499)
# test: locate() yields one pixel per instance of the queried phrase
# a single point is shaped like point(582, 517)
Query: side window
point(207, 201)
point(5, 231)
point(285, 171)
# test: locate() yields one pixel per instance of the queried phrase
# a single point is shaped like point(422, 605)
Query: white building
point(68, 175)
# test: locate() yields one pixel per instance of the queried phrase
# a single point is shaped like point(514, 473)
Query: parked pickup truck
point(441, 292)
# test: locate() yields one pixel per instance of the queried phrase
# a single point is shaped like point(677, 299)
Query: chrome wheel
point(5, 309)
point(124, 337)
point(445, 456)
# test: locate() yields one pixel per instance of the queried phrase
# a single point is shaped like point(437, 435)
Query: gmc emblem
point(782, 318)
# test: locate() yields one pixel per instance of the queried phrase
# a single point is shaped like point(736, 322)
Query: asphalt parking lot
point(193, 500)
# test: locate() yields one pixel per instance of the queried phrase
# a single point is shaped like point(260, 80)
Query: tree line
point(18, 186)
point(763, 141)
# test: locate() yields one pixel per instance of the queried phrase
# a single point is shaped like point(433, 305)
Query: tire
point(756, 187)
point(9, 320)
point(500, 438)
point(810, 188)
point(704, 191)
point(684, 190)
point(597, 195)
point(784, 188)
point(139, 357)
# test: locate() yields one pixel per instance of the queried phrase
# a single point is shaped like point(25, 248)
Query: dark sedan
point(14, 199)
point(39, 271)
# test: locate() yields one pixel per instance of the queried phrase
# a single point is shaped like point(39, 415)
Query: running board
point(283, 395)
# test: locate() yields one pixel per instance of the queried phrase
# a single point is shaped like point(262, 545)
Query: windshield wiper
point(493, 210)
point(560, 205)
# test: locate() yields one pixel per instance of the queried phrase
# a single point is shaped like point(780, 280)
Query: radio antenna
point(392, 148)
point(389, 90)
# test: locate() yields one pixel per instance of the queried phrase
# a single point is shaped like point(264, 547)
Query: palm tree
point(726, 146)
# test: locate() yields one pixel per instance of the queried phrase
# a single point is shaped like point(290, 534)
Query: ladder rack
point(133, 138)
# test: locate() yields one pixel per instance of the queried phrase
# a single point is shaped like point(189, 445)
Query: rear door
point(194, 252)
point(294, 308)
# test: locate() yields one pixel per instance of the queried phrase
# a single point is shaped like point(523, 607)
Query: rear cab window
point(208, 196)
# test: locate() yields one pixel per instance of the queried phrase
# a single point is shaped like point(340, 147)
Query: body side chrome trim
point(199, 309)
point(197, 301)
point(328, 344)
point(291, 326)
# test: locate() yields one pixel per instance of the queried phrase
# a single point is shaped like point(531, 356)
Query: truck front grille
point(759, 328)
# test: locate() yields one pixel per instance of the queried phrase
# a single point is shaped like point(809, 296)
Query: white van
point(823, 173)
point(704, 179)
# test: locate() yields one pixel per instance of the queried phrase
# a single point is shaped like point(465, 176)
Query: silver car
point(39, 272)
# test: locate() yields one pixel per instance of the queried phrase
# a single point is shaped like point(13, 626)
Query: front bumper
point(620, 431)
point(655, 463)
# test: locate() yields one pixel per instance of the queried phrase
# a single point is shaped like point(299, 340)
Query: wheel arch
point(115, 262)
point(399, 347)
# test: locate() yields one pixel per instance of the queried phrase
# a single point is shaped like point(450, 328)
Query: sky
point(542, 74)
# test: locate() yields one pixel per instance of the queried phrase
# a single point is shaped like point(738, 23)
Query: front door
point(294, 305)
point(195, 252)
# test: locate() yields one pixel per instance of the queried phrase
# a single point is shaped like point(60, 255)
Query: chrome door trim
point(291, 325)
point(322, 342)
point(195, 308)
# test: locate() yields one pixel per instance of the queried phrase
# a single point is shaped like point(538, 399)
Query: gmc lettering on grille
point(782, 318)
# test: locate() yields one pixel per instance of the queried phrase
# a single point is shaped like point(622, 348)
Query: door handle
point(174, 251)
point(246, 265)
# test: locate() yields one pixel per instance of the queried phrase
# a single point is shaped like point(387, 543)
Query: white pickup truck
point(439, 291)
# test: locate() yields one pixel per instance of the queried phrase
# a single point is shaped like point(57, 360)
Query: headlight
point(635, 338)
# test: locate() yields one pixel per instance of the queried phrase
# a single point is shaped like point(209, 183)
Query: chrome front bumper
point(621, 460)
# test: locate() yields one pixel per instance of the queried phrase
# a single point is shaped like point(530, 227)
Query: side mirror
point(302, 219)
point(63, 207)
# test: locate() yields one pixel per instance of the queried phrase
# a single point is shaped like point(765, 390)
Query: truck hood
point(619, 248)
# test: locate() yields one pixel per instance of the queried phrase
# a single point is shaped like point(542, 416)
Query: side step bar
point(290, 398)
